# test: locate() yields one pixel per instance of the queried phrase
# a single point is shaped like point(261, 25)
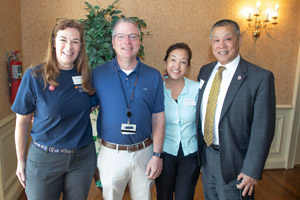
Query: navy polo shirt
point(61, 116)
point(148, 99)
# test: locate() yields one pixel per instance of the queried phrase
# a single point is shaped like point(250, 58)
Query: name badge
point(128, 128)
point(189, 102)
point(77, 80)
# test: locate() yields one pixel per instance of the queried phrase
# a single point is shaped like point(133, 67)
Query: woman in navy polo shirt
point(62, 157)
point(180, 166)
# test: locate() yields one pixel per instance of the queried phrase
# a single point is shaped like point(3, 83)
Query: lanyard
point(131, 98)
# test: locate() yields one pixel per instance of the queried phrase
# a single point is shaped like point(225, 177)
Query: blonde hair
point(50, 70)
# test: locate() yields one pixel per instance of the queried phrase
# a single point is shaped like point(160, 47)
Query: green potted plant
point(98, 26)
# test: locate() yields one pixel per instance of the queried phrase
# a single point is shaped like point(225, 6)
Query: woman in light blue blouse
point(180, 166)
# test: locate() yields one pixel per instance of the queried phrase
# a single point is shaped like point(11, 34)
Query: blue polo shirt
point(61, 116)
point(148, 99)
point(181, 119)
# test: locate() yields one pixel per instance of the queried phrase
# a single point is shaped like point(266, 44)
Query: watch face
point(160, 155)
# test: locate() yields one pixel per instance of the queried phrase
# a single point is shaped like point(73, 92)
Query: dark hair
point(226, 22)
point(180, 45)
point(50, 70)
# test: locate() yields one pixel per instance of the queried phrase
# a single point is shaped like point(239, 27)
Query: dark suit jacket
point(247, 121)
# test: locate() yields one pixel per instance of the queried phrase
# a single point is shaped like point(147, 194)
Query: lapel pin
point(51, 87)
point(239, 78)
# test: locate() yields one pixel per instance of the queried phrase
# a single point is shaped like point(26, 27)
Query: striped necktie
point(211, 107)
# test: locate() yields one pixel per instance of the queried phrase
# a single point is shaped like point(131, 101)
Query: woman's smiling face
point(67, 45)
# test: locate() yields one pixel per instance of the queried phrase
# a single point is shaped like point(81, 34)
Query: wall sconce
point(257, 22)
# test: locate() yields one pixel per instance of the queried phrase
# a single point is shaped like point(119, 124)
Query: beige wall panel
point(10, 40)
point(171, 21)
point(10, 188)
point(9, 155)
point(280, 148)
point(297, 156)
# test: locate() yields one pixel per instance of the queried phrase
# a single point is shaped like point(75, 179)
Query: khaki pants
point(118, 169)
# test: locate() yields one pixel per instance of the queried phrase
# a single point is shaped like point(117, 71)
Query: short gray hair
point(127, 20)
point(226, 22)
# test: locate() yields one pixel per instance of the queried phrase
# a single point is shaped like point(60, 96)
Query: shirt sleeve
point(25, 100)
point(159, 96)
point(94, 100)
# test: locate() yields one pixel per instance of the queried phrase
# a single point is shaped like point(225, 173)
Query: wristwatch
point(160, 155)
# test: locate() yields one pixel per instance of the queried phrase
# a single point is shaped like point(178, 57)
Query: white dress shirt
point(226, 80)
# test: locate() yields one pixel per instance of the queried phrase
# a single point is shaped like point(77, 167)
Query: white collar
point(127, 71)
point(232, 64)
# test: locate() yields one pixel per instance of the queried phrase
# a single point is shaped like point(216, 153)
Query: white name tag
point(77, 80)
point(189, 102)
point(128, 128)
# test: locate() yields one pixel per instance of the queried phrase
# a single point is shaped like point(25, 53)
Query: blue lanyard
point(129, 114)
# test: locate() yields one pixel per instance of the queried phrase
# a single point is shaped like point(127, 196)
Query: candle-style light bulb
point(257, 7)
point(276, 9)
point(268, 14)
point(250, 11)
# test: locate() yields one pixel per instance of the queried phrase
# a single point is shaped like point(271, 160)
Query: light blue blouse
point(181, 119)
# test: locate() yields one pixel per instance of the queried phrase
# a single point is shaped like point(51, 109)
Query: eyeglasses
point(123, 36)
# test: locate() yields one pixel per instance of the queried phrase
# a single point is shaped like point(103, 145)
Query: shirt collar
point(134, 70)
point(232, 64)
point(184, 90)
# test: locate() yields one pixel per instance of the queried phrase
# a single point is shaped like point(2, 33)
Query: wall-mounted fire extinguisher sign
point(14, 69)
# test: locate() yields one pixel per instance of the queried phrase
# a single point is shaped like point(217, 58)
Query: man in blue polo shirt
point(131, 118)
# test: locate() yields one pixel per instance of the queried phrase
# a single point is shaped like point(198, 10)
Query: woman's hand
point(21, 172)
point(21, 135)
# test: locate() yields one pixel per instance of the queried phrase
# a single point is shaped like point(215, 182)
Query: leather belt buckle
point(132, 148)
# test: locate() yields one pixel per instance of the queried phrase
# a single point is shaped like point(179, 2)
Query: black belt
point(215, 147)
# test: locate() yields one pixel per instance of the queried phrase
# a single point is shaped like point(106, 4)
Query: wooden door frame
point(296, 119)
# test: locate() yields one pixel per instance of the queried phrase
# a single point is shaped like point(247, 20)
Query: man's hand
point(21, 173)
point(247, 184)
point(154, 167)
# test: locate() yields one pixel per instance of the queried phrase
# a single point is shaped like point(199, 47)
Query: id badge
point(128, 128)
point(189, 102)
point(77, 80)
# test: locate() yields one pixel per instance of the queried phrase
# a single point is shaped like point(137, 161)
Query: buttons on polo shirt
point(126, 79)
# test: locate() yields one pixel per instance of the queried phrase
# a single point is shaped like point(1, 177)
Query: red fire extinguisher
point(14, 69)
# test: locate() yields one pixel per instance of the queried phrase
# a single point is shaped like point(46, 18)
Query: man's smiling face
point(225, 44)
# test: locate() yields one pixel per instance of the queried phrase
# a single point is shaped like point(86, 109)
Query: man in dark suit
point(236, 117)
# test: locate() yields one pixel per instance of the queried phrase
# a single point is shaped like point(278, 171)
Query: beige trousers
point(118, 169)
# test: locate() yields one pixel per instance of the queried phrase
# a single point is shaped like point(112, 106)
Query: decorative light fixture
point(257, 22)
